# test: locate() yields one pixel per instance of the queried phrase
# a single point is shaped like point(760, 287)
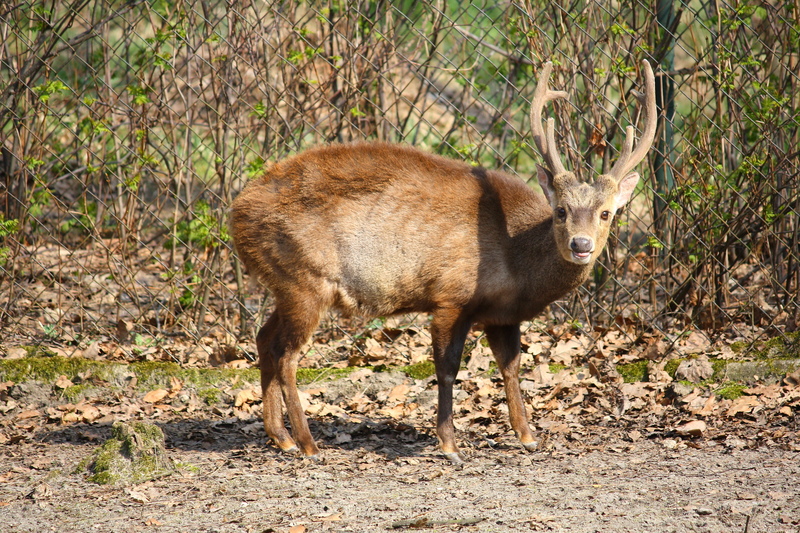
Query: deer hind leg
point(279, 344)
point(271, 386)
point(449, 331)
point(505, 345)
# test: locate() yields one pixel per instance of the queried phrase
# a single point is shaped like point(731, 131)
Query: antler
point(627, 160)
point(546, 143)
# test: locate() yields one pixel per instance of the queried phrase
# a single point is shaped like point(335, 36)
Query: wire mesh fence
point(128, 127)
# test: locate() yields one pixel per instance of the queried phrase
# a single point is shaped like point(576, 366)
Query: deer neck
point(546, 273)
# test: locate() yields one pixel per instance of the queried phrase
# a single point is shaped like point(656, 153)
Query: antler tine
point(627, 160)
point(627, 148)
point(545, 142)
point(556, 166)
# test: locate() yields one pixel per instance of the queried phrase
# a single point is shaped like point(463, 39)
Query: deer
point(379, 229)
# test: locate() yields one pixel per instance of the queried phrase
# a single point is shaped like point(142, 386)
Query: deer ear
point(546, 183)
point(626, 187)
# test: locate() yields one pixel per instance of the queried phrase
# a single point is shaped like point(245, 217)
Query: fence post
point(665, 101)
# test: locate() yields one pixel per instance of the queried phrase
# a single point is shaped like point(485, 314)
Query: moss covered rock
point(135, 453)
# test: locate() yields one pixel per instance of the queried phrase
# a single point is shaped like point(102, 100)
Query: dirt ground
point(629, 473)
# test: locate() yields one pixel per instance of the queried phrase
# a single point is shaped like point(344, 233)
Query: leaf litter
point(598, 431)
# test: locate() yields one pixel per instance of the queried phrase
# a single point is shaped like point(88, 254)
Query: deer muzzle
point(582, 248)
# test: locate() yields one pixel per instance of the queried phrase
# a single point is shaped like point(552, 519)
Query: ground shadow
point(382, 436)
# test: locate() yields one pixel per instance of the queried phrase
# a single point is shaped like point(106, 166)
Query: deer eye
point(605, 215)
point(561, 212)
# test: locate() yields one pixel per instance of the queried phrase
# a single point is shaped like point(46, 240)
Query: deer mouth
point(581, 257)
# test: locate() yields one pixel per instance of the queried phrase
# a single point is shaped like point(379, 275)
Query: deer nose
point(581, 245)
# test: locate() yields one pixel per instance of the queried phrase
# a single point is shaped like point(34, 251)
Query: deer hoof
point(288, 447)
point(454, 457)
point(531, 446)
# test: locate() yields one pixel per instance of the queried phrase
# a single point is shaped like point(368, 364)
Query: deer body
point(379, 229)
point(376, 252)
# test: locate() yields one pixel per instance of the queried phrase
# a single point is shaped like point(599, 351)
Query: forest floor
point(614, 454)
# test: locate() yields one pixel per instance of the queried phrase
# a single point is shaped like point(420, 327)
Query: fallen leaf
point(238, 363)
point(542, 375)
point(137, 496)
point(709, 406)
point(155, 396)
point(297, 529)
point(70, 418)
point(656, 372)
point(152, 522)
point(175, 385)
point(399, 393)
point(90, 413)
point(30, 413)
point(743, 404)
point(480, 359)
point(696, 342)
point(246, 396)
point(695, 428)
point(9, 405)
point(335, 517)
point(63, 382)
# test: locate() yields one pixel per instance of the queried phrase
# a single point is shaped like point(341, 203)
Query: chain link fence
point(127, 127)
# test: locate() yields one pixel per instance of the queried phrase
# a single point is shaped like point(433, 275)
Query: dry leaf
point(90, 413)
point(137, 496)
point(656, 373)
point(695, 428)
point(30, 413)
point(63, 382)
point(399, 393)
point(297, 529)
point(394, 412)
point(696, 342)
point(155, 396)
point(70, 418)
point(542, 375)
point(743, 404)
point(480, 359)
point(246, 396)
point(238, 363)
point(335, 517)
point(175, 385)
point(709, 406)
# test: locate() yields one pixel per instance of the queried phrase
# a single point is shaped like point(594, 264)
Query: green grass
point(730, 390)
point(633, 372)
point(421, 370)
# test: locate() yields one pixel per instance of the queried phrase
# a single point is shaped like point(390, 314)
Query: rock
point(135, 453)
point(733, 442)
point(678, 390)
point(16, 352)
point(764, 371)
point(695, 428)
point(695, 370)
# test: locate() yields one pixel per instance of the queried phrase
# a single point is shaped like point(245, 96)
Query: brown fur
point(379, 229)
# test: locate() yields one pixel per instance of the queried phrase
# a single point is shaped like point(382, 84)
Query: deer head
point(583, 211)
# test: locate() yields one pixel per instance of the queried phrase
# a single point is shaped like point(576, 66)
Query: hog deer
point(380, 229)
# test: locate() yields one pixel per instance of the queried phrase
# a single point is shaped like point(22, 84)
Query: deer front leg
point(505, 345)
point(449, 331)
